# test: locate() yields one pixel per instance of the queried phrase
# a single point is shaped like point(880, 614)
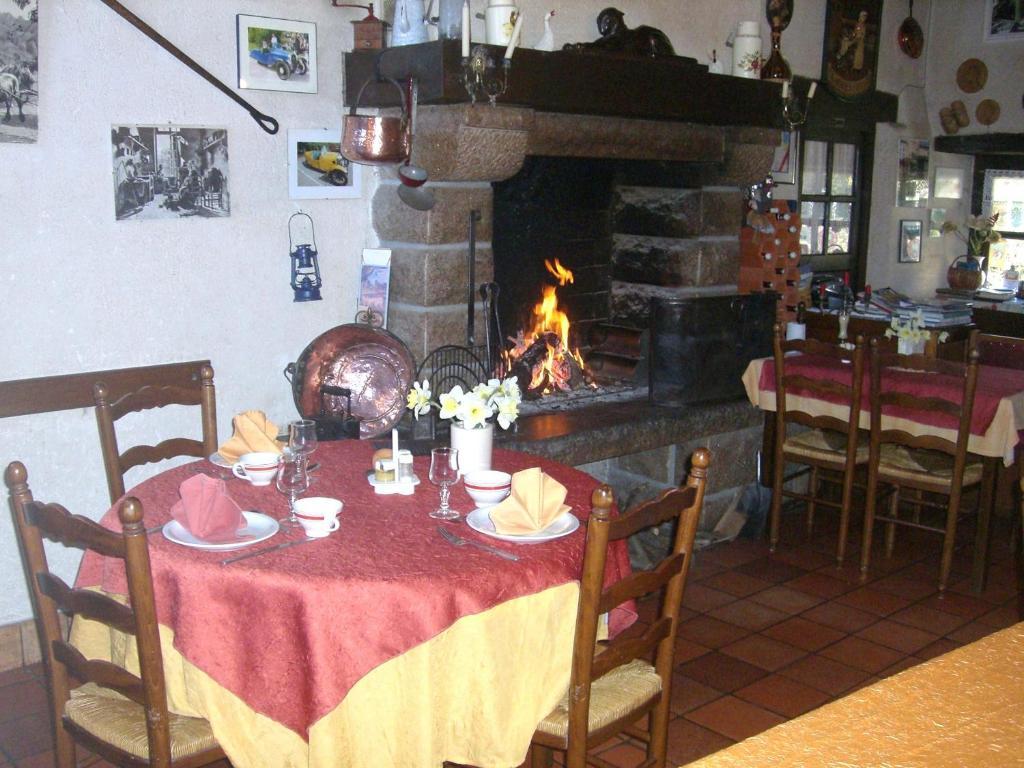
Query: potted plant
point(473, 415)
point(965, 273)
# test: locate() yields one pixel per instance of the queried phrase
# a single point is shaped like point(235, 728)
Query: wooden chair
point(927, 464)
point(155, 387)
point(997, 351)
point(613, 687)
point(113, 713)
point(831, 444)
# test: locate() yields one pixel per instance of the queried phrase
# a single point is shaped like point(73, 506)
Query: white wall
point(82, 292)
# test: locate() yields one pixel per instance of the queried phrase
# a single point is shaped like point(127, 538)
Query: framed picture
point(169, 172)
point(1004, 20)
point(912, 180)
point(949, 183)
point(910, 241)
point(784, 164)
point(19, 72)
point(276, 54)
point(849, 61)
point(374, 280)
point(316, 168)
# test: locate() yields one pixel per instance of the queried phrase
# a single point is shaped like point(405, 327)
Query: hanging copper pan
point(375, 365)
point(910, 37)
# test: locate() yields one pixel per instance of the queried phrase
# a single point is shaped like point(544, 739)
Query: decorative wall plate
point(987, 112)
point(972, 75)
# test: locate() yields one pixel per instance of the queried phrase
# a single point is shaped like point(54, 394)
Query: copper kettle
point(375, 139)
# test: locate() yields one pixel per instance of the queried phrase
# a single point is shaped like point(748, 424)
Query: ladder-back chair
point(115, 714)
point(613, 688)
point(154, 387)
point(830, 443)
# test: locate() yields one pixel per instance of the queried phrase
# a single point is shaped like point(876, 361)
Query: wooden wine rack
point(770, 260)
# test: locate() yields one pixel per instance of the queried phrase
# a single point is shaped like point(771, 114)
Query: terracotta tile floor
point(765, 638)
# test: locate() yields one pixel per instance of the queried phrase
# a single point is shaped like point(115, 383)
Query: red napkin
point(206, 509)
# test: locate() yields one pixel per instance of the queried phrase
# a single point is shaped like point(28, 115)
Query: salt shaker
point(405, 473)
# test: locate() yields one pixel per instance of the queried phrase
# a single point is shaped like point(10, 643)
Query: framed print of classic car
point(276, 54)
point(850, 56)
point(316, 168)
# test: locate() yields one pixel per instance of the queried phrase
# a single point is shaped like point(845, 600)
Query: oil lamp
point(305, 270)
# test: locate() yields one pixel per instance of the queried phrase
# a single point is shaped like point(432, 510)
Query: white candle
point(785, 89)
point(465, 29)
point(394, 449)
point(812, 89)
point(514, 40)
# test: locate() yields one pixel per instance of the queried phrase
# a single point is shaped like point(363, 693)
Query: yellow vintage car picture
point(327, 162)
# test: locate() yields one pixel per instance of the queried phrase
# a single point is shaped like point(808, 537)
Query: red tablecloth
point(994, 384)
point(290, 632)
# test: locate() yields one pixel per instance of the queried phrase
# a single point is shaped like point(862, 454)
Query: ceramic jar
point(474, 446)
point(499, 22)
point(746, 50)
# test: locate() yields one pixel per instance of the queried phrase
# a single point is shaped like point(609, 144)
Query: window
point(1004, 194)
point(828, 205)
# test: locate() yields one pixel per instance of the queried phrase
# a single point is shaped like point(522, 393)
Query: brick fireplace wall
point(677, 211)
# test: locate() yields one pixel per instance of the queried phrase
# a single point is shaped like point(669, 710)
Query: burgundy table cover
point(290, 632)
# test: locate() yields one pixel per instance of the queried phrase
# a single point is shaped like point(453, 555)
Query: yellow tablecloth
point(962, 709)
point(473, 694)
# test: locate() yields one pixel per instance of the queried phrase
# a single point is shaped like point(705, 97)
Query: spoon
point(910, 38)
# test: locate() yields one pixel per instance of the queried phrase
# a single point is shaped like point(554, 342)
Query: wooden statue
point(616, 37)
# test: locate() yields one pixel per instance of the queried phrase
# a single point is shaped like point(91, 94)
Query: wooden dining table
point(382, 644)
point(997, 421)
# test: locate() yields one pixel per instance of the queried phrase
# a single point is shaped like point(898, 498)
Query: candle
point(812, 89)
point(785, 89)
point(465, 29)
point(514, 40)
point(394, 449)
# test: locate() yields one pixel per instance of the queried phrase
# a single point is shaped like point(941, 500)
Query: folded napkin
point(535, 501)
point(206, 510)
point(253, 432)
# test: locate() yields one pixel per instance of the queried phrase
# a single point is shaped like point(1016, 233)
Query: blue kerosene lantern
point(305, 270)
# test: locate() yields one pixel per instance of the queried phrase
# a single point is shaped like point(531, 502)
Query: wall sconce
point(305, 270)
point(480, 73)
point(793, 112)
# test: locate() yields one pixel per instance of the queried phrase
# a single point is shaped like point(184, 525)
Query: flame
point(554, 372)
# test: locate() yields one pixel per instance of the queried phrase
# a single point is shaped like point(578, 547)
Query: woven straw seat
point(613, 686)
point(824, 445)
point(898, 463)
point(116, 720)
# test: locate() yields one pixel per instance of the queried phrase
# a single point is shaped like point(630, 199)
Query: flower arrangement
point(980, 231)
point(909, 330)
point(493, 399)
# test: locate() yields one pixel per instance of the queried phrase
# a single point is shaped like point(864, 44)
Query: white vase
point(474, 447)
point(908, 347)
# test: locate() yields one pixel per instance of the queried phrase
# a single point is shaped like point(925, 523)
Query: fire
point(554, 371)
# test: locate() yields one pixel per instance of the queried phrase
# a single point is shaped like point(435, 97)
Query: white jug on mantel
point(746, 50)
point(410, 25)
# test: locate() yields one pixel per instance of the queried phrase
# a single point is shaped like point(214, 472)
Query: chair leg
point(64, 749)
point(844, 515)
point(948, 542)
point(890, 528)
point(540, 757)
point(657, 748)
point(869, 523)
point(776, 508)
point(812, 491)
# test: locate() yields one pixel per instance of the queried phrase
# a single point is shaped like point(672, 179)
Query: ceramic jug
point(746, 50)
point(410, 25)
point(500, 19)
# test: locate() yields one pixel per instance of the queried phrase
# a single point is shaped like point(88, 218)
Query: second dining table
point(997, 420)
point(382, 644)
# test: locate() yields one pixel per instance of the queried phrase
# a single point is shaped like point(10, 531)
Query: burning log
point(542, 367)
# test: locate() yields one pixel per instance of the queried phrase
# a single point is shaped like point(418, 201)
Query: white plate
point(220, 461)
point(257, 526)
point(480, 520)
point(375, 482)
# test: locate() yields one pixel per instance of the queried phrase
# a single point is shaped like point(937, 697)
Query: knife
point(254, 552)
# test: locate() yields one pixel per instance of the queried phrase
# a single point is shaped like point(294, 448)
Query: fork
point(458, 541)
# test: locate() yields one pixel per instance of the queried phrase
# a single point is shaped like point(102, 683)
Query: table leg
point(979, 572)
point(768, 449)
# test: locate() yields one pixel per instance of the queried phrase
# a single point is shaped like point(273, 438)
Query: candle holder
point(794, 108)
point(481, 76)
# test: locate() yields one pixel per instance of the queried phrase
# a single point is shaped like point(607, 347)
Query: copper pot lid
point(375, 365)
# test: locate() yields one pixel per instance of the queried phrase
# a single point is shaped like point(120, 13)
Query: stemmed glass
point(302, 439)
point(444, 472)
point(291, 480)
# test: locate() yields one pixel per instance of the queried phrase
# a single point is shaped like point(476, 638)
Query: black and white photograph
point(170, 172)
point(316, 168)
point(1004, 20)
point(276, 54)
point(910, 241)
point(912, 182)
point(19, 71)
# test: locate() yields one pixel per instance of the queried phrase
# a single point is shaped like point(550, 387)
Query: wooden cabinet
point(825, 326)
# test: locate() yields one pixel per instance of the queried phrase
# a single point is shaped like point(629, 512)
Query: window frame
point(983, 163)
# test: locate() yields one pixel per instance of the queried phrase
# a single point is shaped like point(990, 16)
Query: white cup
point(318, 515)
point(257, 468)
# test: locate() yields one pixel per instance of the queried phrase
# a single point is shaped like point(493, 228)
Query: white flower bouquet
point(471, 410)
point(910, 330)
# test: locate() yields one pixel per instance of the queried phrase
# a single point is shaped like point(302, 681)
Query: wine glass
point(291, 480)
point(444, 472)
point(302, 439)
